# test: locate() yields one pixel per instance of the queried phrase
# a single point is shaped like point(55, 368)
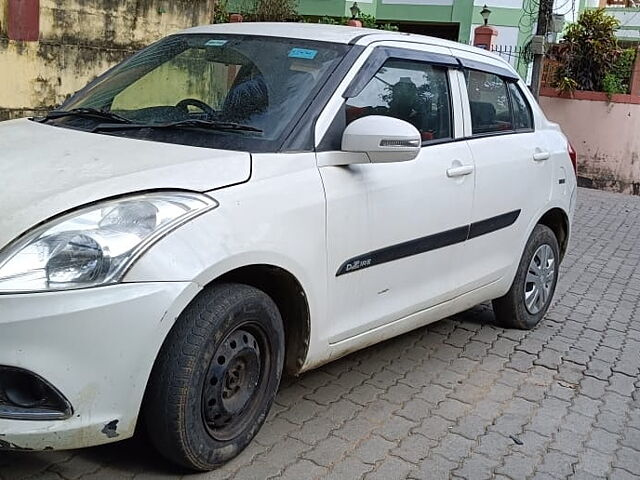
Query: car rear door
point(395, 231)
point(513, 174)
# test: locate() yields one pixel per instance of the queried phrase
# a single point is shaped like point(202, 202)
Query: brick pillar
point(354, 22)
point(485, 37)
point(24, 20)
point(635, 75)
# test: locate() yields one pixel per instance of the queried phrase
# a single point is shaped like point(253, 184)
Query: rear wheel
point(530, 295)
point(216, 377)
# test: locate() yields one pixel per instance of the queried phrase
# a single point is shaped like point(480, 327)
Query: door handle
point(540, 156)
point(460, 171)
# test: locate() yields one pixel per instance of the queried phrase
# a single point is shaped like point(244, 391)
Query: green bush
point(389, 27)
point(368, 21)
point(611, 84)
point(589, 50)
point(271, 10)
point(619, 79)
point(566, 85)
point(221, 11)
point(328, 21)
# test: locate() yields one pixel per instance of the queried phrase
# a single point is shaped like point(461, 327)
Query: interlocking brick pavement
point(461, 398)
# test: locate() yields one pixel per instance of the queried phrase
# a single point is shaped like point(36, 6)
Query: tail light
point(573, 155)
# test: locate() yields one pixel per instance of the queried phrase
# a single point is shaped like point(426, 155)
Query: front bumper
point(97, 347)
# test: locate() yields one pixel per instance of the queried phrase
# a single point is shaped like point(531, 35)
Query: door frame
point(329, 125)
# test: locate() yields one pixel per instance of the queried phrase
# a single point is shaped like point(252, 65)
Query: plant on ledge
point(270, 10)
point(221, 11)
point(588, 52)
point(619, 80)
point(368, 21)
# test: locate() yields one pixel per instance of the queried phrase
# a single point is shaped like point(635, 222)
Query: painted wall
point(3, 16)
point(629, 18)
point(506, 13)
point(499, 3)
point(79, 39)
point(604, 134)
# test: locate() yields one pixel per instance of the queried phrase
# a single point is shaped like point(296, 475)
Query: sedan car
point(240, 201)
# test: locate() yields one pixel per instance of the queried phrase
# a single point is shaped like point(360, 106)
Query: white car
point(238, 201)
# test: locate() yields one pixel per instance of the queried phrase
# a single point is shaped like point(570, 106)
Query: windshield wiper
point(193, 123)
point(85, 112)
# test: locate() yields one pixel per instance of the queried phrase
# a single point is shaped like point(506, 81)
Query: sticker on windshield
point(215, 43)
point(303, 53)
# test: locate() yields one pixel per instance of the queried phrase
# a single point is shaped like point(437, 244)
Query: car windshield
point(205, 90)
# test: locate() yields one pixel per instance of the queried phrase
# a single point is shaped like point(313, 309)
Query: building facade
point(76, 40)
point(626, 11)
point(450, 19)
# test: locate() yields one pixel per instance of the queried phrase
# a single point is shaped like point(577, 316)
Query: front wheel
point(530, 295)
point(216, 377)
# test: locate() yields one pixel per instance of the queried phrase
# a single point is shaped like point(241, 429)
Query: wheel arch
point(558, 221)
point(289, 296)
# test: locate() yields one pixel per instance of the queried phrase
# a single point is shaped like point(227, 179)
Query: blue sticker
point(215, 43)
point(303, 53)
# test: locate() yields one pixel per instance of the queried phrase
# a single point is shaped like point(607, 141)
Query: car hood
point(47, 170)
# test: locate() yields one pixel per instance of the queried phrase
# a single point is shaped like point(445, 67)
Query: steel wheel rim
point(539, 280)
point(237, 374)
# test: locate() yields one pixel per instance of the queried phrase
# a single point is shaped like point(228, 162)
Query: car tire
point(216, 377)
point(531, 292)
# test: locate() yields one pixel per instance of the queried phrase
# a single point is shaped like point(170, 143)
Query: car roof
point(304, 31)
point(333, 34)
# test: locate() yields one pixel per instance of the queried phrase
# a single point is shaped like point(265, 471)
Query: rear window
point(522, 116)
point(497, 105)
point(489, 102)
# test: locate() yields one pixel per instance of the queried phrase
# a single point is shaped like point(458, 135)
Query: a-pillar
point(233, 69)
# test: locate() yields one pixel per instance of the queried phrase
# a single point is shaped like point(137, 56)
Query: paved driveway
point(460, 398)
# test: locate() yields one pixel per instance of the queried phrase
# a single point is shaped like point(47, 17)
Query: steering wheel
point(184, 105)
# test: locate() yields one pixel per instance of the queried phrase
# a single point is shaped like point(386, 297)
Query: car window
point(408, 90)
point(489, 102)
point(521, 111)
point(260, 82)
point(175, 80)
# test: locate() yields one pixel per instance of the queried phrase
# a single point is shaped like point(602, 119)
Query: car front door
point(395, 231)
point(513, 174)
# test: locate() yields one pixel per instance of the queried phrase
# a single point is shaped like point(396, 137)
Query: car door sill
point(379, 331)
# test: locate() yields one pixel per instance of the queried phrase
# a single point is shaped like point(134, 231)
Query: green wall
point(462, 12)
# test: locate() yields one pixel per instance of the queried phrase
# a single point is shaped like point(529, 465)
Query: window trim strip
point(381, 54)
point(488, 68)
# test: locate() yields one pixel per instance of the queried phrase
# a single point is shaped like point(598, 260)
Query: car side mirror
point(382, 139)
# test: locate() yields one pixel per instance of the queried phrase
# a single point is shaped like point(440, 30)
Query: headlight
point(95, 245)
